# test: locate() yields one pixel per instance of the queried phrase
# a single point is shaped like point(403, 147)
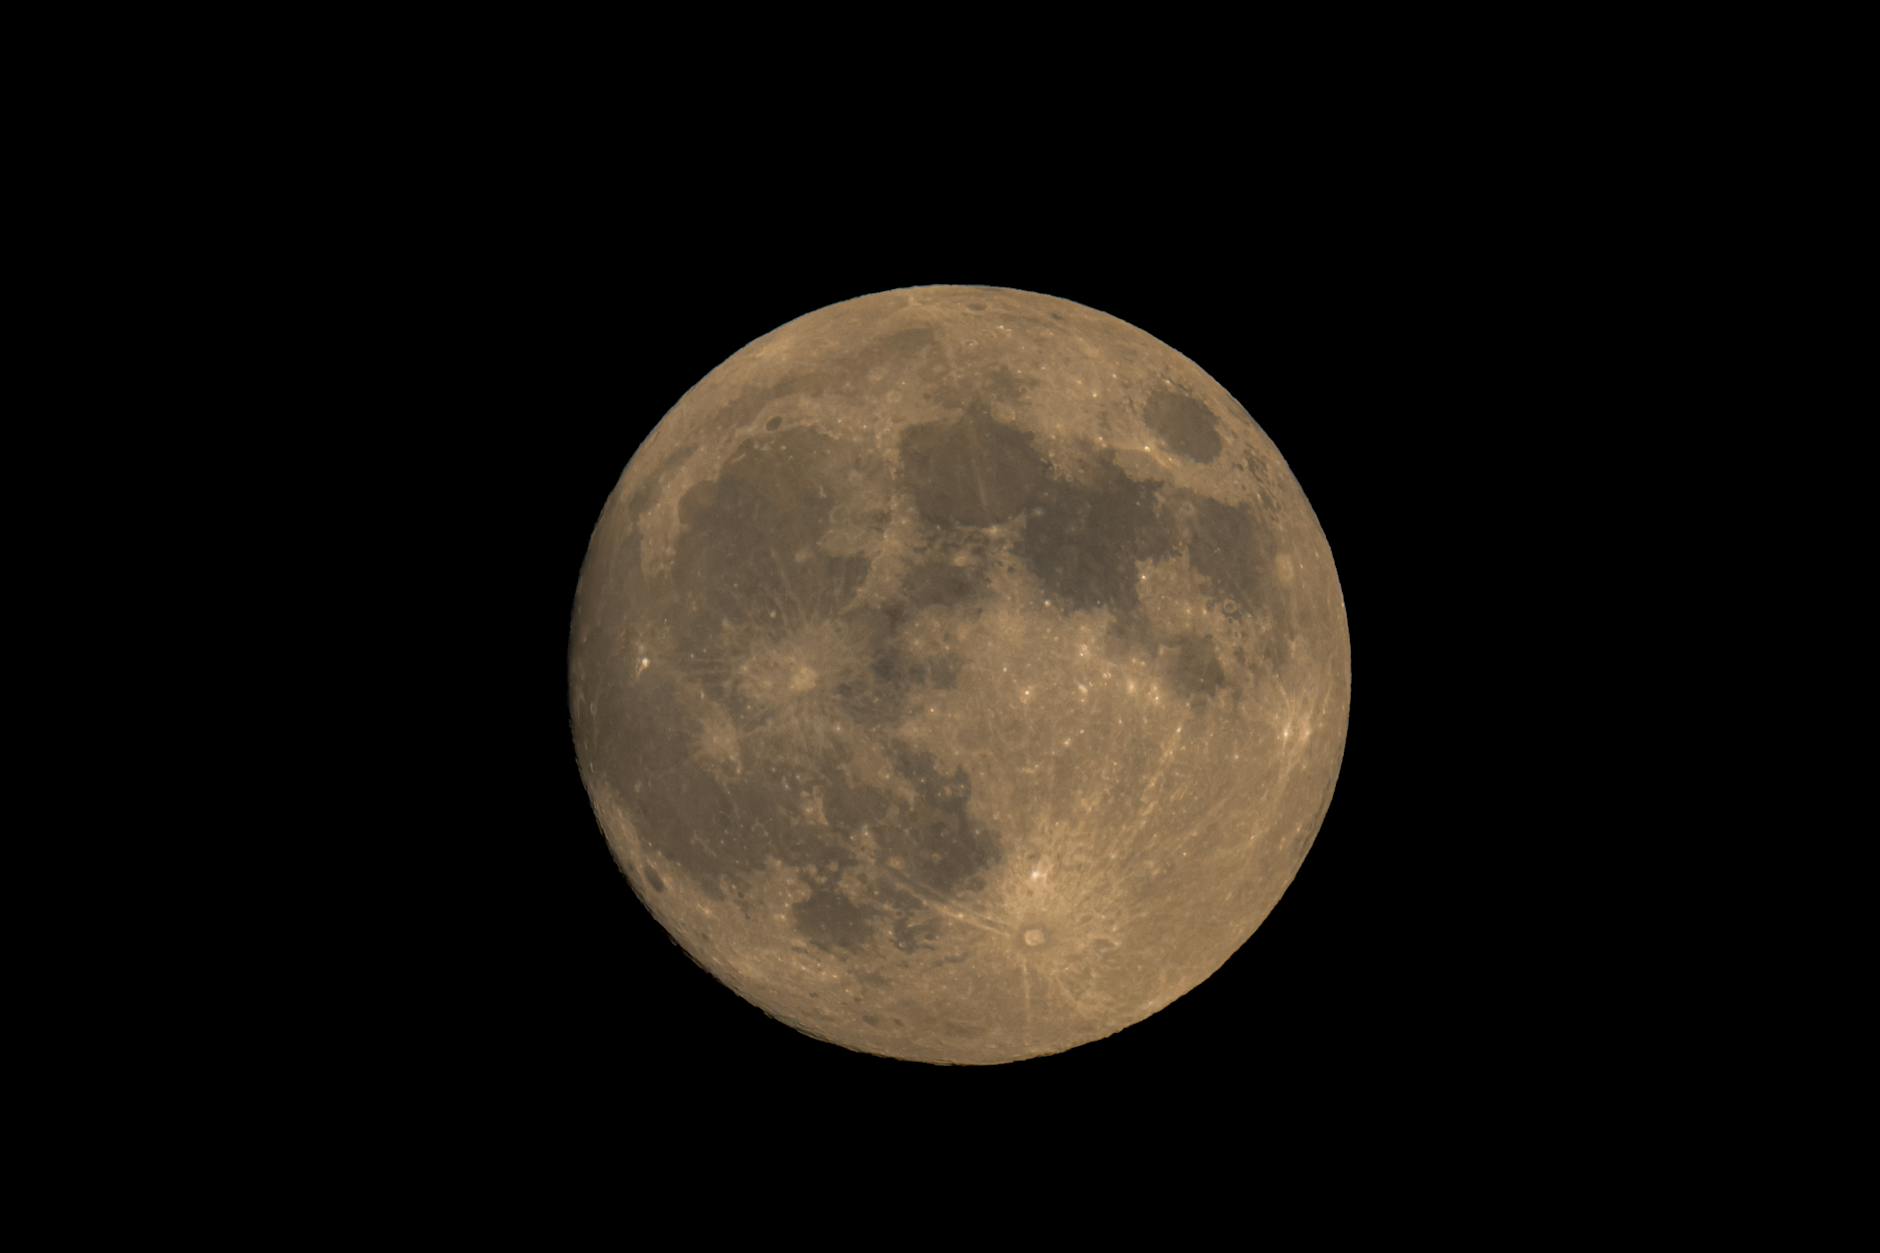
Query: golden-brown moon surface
point(959, 674)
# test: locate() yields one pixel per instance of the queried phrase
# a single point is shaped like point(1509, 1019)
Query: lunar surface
point(959, 674)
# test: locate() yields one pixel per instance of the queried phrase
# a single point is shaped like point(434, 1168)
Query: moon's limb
point(959, 674)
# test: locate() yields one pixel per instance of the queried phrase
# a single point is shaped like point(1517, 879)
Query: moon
point(959, 674)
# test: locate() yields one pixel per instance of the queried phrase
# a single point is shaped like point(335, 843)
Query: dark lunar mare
point(749, 565)
point(1084, 536)
point(1184, 425)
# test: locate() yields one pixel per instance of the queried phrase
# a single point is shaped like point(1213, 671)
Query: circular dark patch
point(1185, 426)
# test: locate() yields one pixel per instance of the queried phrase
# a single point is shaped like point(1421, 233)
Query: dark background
point(1458, 324)
point(1405, 964)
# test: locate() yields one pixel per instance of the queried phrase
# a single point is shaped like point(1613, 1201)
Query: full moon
point(959, 674)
